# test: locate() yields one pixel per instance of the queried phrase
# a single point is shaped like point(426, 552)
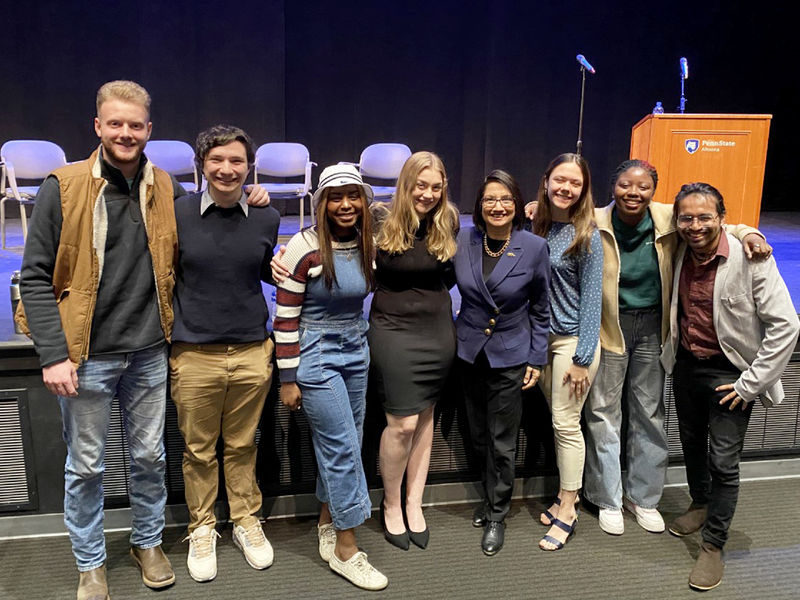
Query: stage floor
point(761, 559)
point(781, 228)
point(783, 232)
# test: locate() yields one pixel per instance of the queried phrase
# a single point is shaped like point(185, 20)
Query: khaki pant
point(219, 389)
point(566, 410)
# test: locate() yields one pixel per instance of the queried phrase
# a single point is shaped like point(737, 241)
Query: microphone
point(684, 68)
point(585, 63)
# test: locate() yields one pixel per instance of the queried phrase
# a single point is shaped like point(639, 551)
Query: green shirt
point(639, 277)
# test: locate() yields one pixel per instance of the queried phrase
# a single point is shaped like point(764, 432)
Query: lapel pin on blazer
point(511, 254)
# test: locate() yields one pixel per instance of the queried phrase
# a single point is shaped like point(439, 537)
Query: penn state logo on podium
point(691, 146)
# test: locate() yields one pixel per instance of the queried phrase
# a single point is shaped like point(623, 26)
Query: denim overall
point(332, 376)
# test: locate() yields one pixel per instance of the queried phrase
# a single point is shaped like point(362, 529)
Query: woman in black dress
point(411, 337)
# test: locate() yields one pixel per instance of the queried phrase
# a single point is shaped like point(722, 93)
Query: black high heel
point(420, 538)
point(399, 540)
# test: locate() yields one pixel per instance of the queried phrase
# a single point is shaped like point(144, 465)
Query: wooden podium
point(727, 151)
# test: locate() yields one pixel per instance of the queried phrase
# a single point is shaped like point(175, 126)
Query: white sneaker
point(611, 521)
point(202, 558)
point(327, 541)
point(250, 539)
point(359, 572)
point(648, 519)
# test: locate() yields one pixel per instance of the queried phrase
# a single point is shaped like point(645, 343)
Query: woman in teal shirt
point(639, 242)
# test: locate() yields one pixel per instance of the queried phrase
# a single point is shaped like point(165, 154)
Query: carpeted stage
point(762, 559)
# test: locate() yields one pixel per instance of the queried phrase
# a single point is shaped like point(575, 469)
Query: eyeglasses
point(703, 220)
point(505, 201)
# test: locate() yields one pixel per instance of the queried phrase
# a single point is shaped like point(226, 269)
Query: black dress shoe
point(399, 540)
point(479, 516)
point(420, 538)
point(493, 537)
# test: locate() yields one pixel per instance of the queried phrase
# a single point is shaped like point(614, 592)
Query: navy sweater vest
point(223, 257)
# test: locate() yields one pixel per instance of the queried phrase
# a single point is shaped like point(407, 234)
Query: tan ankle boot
point(92, 584)
point(690, 521)
point(156, 569)
point(707, 572)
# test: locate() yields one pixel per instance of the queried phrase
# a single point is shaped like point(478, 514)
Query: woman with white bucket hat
point(323, 358)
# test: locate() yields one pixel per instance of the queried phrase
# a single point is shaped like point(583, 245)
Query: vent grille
point(771, 430)
point(16, 473)
point(117, 473)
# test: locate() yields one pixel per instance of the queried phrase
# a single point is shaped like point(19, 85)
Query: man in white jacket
point(733, 328)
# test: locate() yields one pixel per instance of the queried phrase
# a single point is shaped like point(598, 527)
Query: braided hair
point(630, 164)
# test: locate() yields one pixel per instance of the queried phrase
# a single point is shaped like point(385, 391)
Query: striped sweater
point(303, 296)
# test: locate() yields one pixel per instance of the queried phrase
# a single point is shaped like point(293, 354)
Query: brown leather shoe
point(707, 572)
point(92, 584)
point(156, 569)
point(690, 521)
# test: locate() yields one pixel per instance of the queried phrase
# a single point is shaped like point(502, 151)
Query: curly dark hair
point(221, 135)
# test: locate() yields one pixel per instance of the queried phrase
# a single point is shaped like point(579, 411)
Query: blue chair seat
point(383, 192)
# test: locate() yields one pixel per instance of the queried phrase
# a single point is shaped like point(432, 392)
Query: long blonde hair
point(400, 226)
point(581, 214)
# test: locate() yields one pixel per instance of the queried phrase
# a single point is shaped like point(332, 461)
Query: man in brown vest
point(97, 280)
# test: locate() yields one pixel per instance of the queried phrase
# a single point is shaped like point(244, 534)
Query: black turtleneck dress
point(412, 338)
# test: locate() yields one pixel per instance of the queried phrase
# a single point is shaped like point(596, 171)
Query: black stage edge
point(31, 473)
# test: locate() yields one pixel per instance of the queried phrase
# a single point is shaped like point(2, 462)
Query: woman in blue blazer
point(503, 274)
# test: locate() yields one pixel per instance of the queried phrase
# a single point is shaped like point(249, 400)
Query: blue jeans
point(139, 381)
point(332, 376)
point(647, 450)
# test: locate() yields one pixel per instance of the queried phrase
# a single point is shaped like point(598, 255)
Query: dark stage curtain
point(486, 84)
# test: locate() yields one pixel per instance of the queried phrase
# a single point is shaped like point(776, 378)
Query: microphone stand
point(580, 115)
point(682, 107)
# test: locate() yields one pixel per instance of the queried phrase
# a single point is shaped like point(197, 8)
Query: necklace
point(348, 247)
point(499, 252)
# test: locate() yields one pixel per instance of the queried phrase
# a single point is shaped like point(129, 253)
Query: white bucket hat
point(337, 176)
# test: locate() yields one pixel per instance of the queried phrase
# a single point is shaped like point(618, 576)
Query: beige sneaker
point(611, 521)
point(250, 539)
point(648, 519)
point(359, 572)
point(202, 558)
point(327, 541)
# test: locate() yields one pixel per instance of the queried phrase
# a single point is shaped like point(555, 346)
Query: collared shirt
point(696, 295)
point(576, 282)
point(207, 202)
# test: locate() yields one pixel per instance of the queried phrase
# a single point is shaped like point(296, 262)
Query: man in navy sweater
point(220, 363)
